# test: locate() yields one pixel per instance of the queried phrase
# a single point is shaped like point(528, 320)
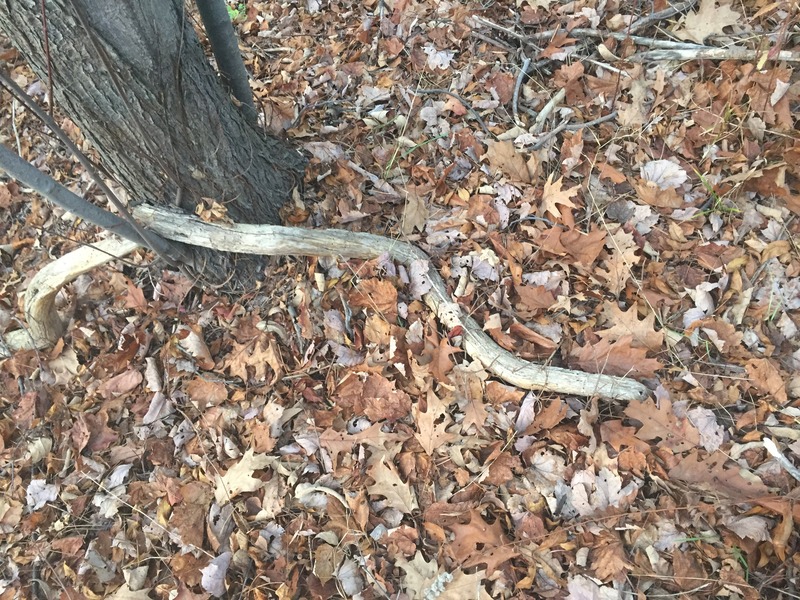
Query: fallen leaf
point(214, 575)
point(379, 295)
point(432, 424)
point(553, 197)
point(503, 156)
point(618, 358)
point(239, 478)
point(713, 476)
point(660, 422)
point(388, 484)
point(627, 323)
point(709, 19)
point(415, 213)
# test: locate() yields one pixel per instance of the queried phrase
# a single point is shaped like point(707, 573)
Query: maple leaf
point(661, 422)
point(709, 19)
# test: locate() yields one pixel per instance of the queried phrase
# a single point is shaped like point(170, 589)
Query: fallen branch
point(711, 53)
point(294, 241)
point(45, 325)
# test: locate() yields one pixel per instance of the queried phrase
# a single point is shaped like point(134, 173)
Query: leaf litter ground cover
point(614, 210)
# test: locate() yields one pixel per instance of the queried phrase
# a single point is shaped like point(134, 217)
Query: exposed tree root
point(45, 325)
point(293, 241)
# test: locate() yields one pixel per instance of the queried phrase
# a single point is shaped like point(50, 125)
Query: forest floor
point(611, 188)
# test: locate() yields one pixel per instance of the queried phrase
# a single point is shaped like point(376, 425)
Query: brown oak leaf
point(660, 422)
point(617, 358)
point(712, 474)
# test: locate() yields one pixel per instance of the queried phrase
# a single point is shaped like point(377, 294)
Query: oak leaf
point(432, 424)
point(767, 379)
point(608, 558)
point(424, 579)
point(257, 355)
point(553, 196)
point(661, 422)
point(479, 542)
point(375, 397)
point(388, 484)
point(709, 19)
point(503, 156)
point(627, 322)
point(379, 295)
point(618, 358)
point(239, 478)
point(711, 474)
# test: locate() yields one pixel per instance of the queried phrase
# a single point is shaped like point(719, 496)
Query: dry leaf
point(503, 156)
point(709, 19)
point(660, 422)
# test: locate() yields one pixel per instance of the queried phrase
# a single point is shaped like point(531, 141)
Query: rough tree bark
point(173, 128)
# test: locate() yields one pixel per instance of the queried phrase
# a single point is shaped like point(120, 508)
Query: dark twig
point(581, 32)
point(166, 250)
point(225, 45)
point(492, 41)
point(549, 136)
point(661, 15)
point(592, 123)
point(29, 175)
point(564, 126)
point(522, 74)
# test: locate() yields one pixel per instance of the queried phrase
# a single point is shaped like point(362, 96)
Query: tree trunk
point(162, 122)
